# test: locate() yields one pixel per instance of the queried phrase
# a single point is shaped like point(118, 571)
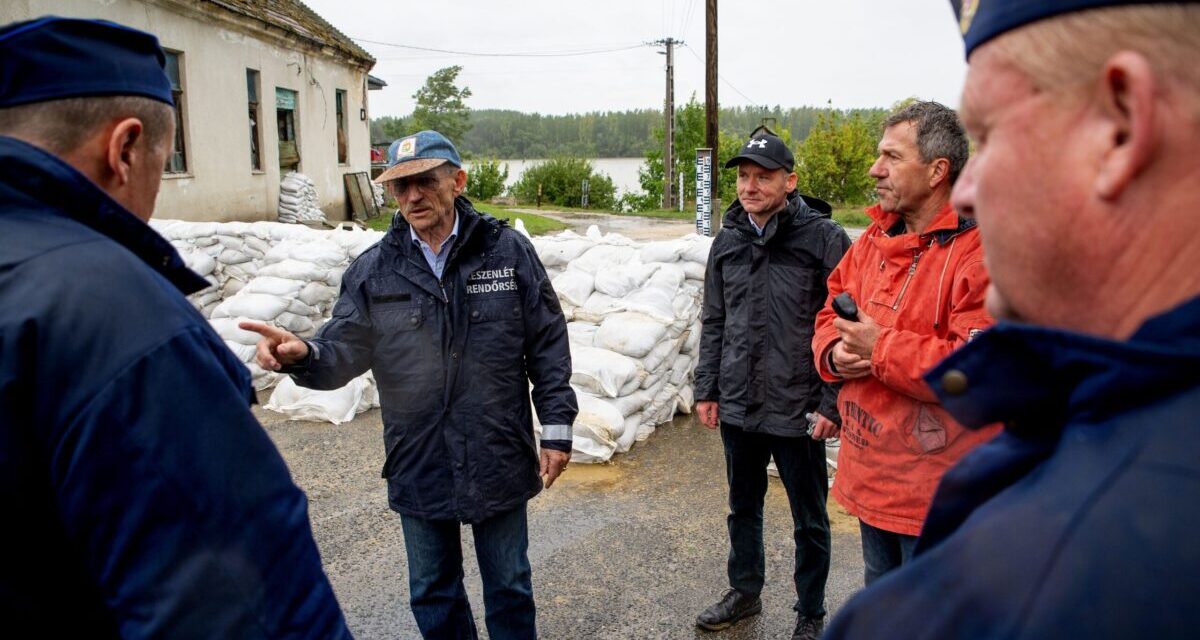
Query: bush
point(561, 180)
point(486, 179)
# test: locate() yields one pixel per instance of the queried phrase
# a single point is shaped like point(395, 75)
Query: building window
point(285, 121)
point(252, 105)
point(342, 142)
point(177, 161)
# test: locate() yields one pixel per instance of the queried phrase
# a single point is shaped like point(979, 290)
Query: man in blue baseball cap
point(142, 498)
point(454, 314)
point(1079, 519)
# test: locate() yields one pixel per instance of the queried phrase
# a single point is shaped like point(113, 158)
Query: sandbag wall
point(632, 310)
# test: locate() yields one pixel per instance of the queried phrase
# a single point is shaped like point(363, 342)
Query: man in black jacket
point(453, 312)
point(763, 287)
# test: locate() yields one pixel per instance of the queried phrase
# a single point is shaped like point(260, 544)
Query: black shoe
point(734, 606)
point(808, 628)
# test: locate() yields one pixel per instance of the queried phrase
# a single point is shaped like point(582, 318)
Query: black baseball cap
point(767, 151)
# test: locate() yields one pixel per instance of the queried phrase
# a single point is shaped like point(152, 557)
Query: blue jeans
point(801, 463)
point(883, 551)
point(435, 577)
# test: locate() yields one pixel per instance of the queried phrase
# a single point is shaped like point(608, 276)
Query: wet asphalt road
point(631, 549)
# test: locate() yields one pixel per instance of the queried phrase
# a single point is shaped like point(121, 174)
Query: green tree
point(561, 180)
point(386, 129)
point(486, 179)
point(441, 105)
point(833, 162)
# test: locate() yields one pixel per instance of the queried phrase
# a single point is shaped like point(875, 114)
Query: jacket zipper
point(911, 271)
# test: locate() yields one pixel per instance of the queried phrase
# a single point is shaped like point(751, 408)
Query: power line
point(728, 83)
point(567, 53)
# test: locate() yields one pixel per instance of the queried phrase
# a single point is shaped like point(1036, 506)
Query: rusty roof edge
point(338, 42)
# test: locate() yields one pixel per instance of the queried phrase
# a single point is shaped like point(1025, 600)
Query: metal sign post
point(585, 194)
point(704, 191)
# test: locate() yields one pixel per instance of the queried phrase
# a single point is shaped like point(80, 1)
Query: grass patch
point(536, 225)
point(851, 216)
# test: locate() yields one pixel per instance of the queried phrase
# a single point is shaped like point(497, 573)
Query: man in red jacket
point(918, 279)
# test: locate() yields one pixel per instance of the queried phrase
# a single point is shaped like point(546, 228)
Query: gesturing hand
point(278, 348)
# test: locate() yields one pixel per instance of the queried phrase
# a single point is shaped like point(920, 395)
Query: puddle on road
point(592, 476)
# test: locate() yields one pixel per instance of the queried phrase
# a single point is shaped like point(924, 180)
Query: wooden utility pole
point(710, 97)
point(669, 124)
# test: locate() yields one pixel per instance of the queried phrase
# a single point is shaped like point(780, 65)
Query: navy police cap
point(52, 58)
point(982, 20)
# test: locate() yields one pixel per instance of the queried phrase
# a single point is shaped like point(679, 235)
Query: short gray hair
point(940, 133)
point(61, 126)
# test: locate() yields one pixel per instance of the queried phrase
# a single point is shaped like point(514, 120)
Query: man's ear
point(124, 149)
point(791, 182)
point(1125, 100)
point(460, 182)
point(939, 172)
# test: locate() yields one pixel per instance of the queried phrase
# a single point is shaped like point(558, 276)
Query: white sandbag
point(697, 249)
point(681, 369)
point(631, 334)
point(581, 333)
point(668, 251)
point(660, 353)
point(685, 400)
point(603, 257)
point(598, 306)
point(573, 287)
point(256, 306)
point(296, 306)
point(199, 262)
point(294, 270)
point(619, 280)
point(244, 272)
point(228, 330)
point(337, 406)
point(693, 270)
point(299, 325)
point(244, 352)
point(232, 257)
point(561, 252)
point(691, 342)
point(271, 285)
point(601, 372)
point(657, 298)
point(596, 429)
point(632, 403)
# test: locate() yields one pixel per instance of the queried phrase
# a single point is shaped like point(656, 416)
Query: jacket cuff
point(557, 445)
point(556, 432)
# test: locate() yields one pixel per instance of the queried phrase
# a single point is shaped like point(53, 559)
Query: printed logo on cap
point(408, 147)
point(761, 144)
point(969, 8)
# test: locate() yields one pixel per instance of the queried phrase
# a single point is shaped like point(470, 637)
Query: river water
point(623, 171)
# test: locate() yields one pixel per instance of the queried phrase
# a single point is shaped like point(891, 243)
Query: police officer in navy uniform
point(1079, 520)
point(454, 314)
point(141, 497)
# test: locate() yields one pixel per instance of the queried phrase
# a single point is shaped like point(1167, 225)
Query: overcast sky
point(853, 53)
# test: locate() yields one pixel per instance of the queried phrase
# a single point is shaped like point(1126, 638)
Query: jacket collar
point(795, 211)
point(1033, 377)
point(468, 224)
point(61, 190)
point(945, 224)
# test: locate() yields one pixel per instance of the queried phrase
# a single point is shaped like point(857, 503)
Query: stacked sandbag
point(282, 275)
point(634, 329)
point(377, 192)
point(633, 316)
point(298, 200)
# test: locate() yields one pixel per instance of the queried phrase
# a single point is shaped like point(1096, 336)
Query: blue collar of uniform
point(48, 180)
point(1030, 377)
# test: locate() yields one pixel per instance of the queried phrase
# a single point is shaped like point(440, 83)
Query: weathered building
point(264, 87)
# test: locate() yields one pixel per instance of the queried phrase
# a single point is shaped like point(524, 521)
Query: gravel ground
point(630, 549)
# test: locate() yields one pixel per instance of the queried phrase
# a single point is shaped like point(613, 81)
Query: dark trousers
point(883, 551)
point(435, 577)
point(801, 463)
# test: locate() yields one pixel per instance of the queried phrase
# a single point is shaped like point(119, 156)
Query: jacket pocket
point(928, 433)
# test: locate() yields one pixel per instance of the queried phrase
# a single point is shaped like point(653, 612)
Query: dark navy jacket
point(1081, 520)
point(761, 298)
point(453, 360)
point(141, 498)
